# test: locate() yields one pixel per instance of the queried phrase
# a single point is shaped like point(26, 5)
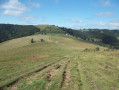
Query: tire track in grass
point(65, 75)
point(58, 67)
point(24, 72)
point(29, 74)
point(50, 74)
point(92, 83)
point(76, 77)
point(100, 76)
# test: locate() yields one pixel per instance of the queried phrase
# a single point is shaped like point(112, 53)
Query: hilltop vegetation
point(44, 29)
point(9, 31)
point(103, 37)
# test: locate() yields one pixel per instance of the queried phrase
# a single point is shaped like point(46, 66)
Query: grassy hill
point(44, 29)
point(66, 60)
point(10, 31)
point(103, 37)
point(58, 63)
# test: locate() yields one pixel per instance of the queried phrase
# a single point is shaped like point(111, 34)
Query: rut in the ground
point(92, 83)
point(76, 82)
point(24, 76)
point(65, 75)
point(50, 74)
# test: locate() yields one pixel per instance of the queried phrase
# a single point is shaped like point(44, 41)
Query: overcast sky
point(65, 13)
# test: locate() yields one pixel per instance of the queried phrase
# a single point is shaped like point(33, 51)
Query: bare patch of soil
point(14, 88)
point(48, 84)
point(67, 78)
point(50, 73)
point(29, 82)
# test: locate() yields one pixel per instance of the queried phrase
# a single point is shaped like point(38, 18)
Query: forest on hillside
point(10, 31)
point(103, 37)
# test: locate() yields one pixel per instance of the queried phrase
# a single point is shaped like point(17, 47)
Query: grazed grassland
point(59, 63)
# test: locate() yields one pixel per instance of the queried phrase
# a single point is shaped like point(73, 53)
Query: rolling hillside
point(11, 31)
point(103, 37)
point(58, 63)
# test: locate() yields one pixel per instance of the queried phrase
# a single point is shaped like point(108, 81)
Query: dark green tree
point(32, 41)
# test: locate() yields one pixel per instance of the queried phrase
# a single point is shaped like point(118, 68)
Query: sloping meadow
point(57, 63)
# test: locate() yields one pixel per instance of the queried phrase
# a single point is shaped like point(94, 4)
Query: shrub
point(97, 49)
point(32, 41)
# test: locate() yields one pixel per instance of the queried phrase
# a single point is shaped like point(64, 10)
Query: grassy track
point(59, 63)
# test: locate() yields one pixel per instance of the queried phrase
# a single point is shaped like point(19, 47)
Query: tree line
point(10, 31)
point(102, 37)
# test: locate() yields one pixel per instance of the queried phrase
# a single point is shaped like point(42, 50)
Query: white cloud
point(106, 3)
point(115, 21)
point(109, 25)
point(104, 14)
point(13, 7)
point(75, 21)
point(77, 27)
point(98, 24)
point(113, 25)
point(35, 4)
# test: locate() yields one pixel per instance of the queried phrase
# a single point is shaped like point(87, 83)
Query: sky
point(76, 14)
